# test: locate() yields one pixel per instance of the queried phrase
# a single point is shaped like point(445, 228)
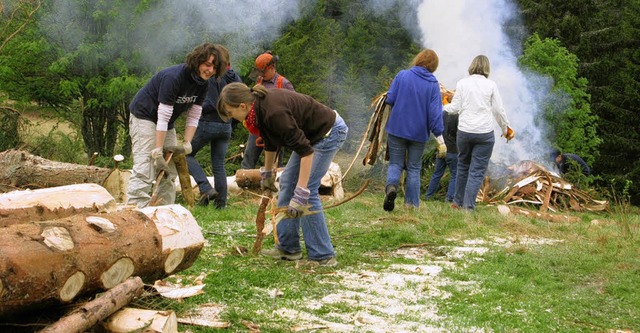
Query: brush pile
point(530, 185)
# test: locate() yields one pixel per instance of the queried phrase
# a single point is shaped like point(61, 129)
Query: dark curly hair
point(201, 54)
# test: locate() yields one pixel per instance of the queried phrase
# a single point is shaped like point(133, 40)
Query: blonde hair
point(427, 58)
point(480, 65)
point(236, 92)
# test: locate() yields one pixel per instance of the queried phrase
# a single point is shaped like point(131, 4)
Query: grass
point(532, 275)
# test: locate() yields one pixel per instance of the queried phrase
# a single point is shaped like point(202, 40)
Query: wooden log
point(250, 178)
point(185, 179)
point(91, 313)
point(140, 320)
point(182, 238)
point(50, 262)
point(45, 263)
point(116, 184)
point(54, 203)
point(23, 170)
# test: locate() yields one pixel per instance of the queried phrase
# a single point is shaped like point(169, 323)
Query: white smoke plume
point(460, 30)
point(171, 27)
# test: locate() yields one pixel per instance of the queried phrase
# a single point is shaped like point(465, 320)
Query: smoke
point(242, 26)
point(169, 28)
point(460, 30)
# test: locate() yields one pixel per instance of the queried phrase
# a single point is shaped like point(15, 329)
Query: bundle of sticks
point(542, 189)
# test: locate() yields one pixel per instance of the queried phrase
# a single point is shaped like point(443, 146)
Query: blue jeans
point(451, 161)
point(473, 160)
point(218, 135)
point(314, 227)
point(401, 150)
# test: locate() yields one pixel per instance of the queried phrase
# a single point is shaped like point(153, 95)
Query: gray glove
point(268, 180)
point(157, 157)
point(184, 148)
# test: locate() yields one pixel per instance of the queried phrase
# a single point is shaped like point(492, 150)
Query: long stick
point(100, 308)
point(260, 218)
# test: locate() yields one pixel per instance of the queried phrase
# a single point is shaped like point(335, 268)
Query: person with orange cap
point(266, 75)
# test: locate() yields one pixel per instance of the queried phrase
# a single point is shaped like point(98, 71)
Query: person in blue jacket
point(168, 94)
point(416, 111)
point(216, 132)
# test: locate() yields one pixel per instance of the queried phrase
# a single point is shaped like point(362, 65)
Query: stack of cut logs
point(61, 243)
point(534, 186)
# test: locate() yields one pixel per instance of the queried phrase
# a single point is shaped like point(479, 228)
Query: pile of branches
point(541, 189)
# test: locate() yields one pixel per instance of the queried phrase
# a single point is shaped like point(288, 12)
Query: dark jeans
point(218, 135)
point(474, 153)
point(252, 154)
point(451, 161)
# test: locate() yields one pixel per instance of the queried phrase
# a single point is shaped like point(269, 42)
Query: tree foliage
point(573, 126)
point(605, 36)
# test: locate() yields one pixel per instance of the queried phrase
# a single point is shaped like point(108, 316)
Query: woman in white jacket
point(477, 100)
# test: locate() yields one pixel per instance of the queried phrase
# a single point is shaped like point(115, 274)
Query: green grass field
point(434, 269)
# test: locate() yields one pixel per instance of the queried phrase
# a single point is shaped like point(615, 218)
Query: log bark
point(184, 178)
point(248, 178)
point(54, 203)
point(260, 218)
point(23, 170)
point(51, 262)
point(100, 308)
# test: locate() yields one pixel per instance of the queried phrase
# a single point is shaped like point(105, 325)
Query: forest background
point(82, 62)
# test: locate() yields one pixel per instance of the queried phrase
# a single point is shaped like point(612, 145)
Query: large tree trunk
point(47, 262)
point(21, 169)
point(54, 203)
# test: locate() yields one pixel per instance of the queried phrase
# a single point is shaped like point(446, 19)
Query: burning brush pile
point(529, 184)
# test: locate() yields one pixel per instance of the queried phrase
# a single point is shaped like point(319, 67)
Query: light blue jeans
point(473, 160)
point(403, 151)
point(314, 227)
point(143, 173)
point(451, 161)
point(216, 134)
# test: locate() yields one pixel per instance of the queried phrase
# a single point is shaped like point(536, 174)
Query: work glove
point(299, 201)
point(184, 148)
point(509, 134)
point(157, 156)
point(268, 180)
point(442, 148)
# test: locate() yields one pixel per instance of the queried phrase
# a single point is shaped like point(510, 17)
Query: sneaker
point(308, 263)
point(329, 262)
point(454, 206)
point(390, 198)
point(276, 253)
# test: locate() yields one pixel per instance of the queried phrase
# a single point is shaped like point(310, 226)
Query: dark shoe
point(276, 253)
point(207, 197)
point(390, 198)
